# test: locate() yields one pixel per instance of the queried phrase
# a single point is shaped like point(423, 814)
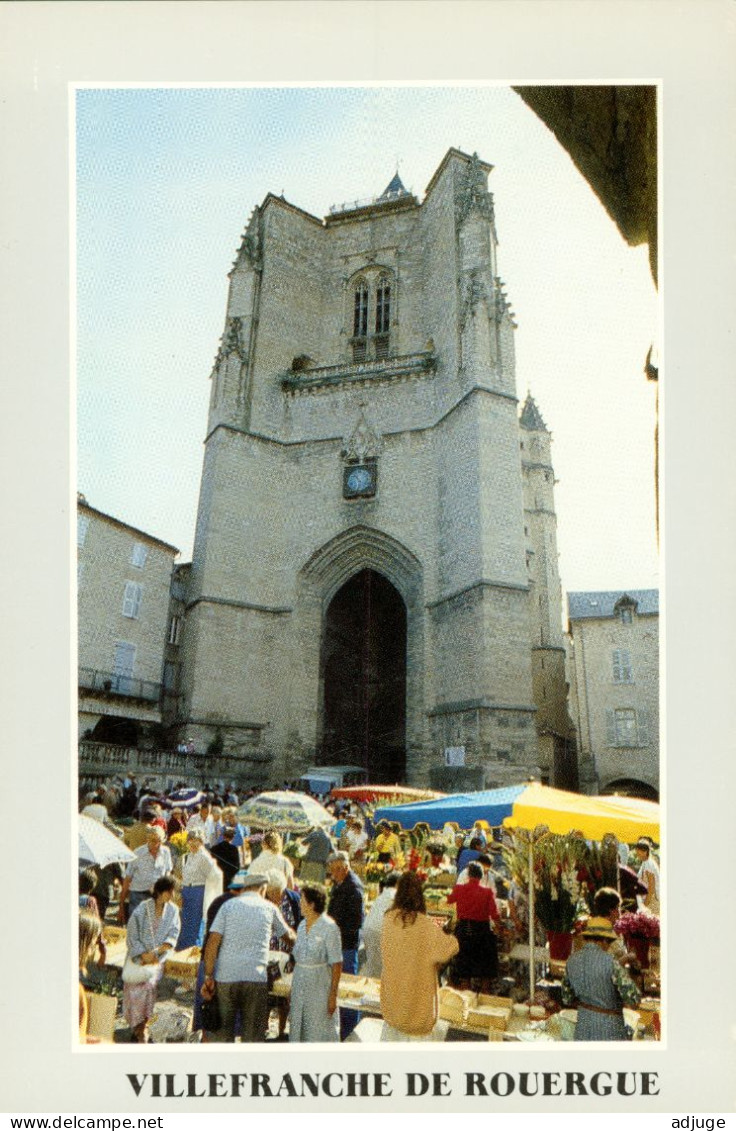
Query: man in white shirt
point(236, 959)
point(488, 880)
point(202, 821)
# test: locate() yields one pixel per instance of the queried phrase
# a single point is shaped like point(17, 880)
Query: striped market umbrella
point(284, 810)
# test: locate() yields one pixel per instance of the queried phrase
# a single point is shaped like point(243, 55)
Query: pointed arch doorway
point(363, 669)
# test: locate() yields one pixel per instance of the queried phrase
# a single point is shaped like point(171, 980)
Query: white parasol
point(97, 845)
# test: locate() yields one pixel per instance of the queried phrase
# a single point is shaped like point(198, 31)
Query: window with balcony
point(124, 661)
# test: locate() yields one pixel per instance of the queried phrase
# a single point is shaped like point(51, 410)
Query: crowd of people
point(202, 878)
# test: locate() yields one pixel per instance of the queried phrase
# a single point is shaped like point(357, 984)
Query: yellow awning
point(627, 818)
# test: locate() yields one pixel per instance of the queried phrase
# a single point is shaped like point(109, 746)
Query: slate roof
point(531, 417)
point(393, 188)
point(582, 606)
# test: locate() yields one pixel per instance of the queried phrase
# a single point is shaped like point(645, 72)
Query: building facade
point(374, 577)
point(613, 642)
point(124, 620)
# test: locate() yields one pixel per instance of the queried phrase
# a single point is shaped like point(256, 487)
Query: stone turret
point(554, 726)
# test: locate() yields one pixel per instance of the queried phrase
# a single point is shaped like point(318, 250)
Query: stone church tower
point(374, 577)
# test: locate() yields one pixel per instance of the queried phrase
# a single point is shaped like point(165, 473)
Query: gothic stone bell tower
point(360, 589)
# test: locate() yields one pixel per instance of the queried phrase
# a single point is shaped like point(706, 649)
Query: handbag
point(135, 973)
point(211, 1019)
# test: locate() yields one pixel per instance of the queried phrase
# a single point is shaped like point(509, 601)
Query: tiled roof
point(581, 606)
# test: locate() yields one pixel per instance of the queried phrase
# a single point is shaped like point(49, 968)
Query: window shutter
point(610, 728)
point(616, 666)
point(124, 658)
point(132, 599)
point(82, 525)
point(643, 728)
point(139, 555)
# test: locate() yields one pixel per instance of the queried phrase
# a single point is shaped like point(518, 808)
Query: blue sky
point(165, 182)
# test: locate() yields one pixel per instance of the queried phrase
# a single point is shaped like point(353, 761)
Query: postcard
point(368, 320)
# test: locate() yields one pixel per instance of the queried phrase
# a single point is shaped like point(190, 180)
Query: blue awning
point(463, 809)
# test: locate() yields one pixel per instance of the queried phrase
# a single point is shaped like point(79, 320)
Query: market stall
point(461, 809)
point(387, 794)
point(535, 811)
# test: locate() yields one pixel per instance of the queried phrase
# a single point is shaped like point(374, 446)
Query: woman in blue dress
point(317, 952)
point(201, 883)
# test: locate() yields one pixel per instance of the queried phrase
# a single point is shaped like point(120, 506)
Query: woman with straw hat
point(598, 985)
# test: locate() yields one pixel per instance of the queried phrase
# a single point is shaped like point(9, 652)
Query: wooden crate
point(452, 1005)
point(494, 1000)
point(483, 1017)
point(183, 964)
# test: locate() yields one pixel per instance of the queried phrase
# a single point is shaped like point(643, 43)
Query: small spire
point(395, 187)
point(531, 417)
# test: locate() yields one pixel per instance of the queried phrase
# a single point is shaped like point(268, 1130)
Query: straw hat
point(599, 928)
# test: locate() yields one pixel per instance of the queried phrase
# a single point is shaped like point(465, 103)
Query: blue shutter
point(642, 727)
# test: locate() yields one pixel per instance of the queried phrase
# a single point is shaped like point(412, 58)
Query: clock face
point(359, 481)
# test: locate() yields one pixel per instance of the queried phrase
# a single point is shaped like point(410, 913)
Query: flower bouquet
point(375, 872)
point(177, 843)
point(637, 925)
point(639, 929)
point(557, 887)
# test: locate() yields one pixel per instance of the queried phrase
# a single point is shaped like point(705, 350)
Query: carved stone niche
point(363, 443)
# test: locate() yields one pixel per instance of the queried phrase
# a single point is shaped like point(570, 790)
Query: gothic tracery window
point(360, 315)
point(383, 305)
point(371, 310)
